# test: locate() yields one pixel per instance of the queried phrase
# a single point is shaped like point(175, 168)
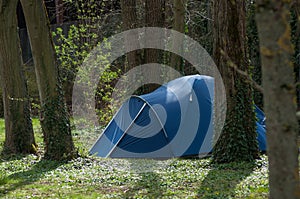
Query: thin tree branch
point(243, 73)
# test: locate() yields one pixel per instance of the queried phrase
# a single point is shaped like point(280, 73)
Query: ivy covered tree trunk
point(279, 94)
point(237, 141)
point(54, 117)
point(253, 51)
point(19, 136)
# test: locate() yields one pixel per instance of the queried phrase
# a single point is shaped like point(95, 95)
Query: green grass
point(90, 177)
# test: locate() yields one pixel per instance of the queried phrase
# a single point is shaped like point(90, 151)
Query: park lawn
point(91, 177)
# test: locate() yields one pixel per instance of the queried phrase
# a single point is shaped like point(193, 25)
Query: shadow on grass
point(222, 179)
point(149, 184)
point(10, 157)
point(34, 173)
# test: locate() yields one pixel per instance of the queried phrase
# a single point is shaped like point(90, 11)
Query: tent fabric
point(162, 124)
point(261, 129)
point(175, 120)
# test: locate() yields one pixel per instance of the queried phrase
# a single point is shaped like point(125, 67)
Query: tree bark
point(253, 51)
point(237, 141)
point(59, 11)
point(279, 91)
point(154, 18)
point(178, 25)
point(19, 137)
point(130, 21)
point(295, 10)
point(54, 117)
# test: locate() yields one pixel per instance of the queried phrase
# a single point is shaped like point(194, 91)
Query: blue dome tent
point(175, 120)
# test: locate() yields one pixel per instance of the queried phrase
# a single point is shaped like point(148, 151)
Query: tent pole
point(127, 129)
point(105, 128)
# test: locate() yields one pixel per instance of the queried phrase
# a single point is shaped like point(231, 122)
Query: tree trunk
point(129, 17)
point(154, 18)
point(178, 25)
point(59, 11)
point(54, 117)
point(279, 91)
point(237, 141)
point(253, 51)
point(19, 136)
point(295, 10)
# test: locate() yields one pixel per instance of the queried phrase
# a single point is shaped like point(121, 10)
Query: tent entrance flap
point(116, 128)
point(130, 125)
point(146, 138)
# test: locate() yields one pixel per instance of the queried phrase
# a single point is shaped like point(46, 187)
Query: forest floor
point(91, 177)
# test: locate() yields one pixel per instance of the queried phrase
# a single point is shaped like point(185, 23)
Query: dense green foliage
point(72, 48)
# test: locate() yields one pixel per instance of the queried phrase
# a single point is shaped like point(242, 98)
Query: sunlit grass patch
point(98, 177)
point(91, 177)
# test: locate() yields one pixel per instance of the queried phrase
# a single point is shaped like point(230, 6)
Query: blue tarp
point(175, 120)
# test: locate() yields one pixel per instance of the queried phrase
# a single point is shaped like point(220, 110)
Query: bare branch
point(243, 73)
